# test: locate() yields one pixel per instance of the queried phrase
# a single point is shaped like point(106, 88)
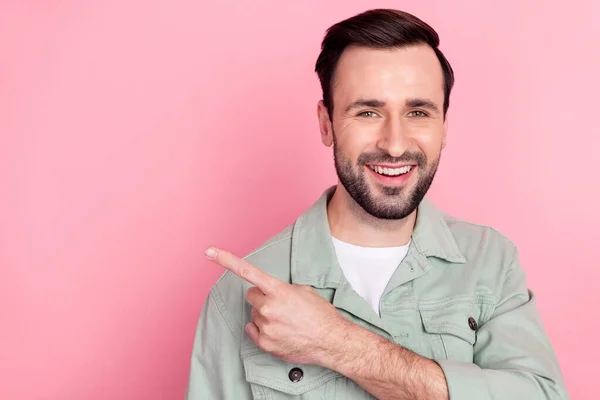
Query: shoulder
point(479, 240)
point(272, 256)
point(490, 255)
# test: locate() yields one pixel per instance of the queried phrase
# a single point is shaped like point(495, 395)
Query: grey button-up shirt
point(457, 276)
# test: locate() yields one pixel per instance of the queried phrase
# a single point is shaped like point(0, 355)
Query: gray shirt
point(459, 297)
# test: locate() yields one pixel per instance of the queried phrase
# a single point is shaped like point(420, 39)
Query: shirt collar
point(314, 261)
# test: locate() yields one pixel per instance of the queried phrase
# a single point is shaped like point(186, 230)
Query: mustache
point(384, 158)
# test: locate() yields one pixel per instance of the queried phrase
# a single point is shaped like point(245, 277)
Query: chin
point(398, 193)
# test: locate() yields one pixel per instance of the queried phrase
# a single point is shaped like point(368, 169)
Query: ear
point(444, 132)
point(324, 124)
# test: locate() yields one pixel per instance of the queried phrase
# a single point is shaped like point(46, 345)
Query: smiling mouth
point(386, 171)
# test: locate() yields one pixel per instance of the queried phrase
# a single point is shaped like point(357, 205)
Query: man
point(374, 292)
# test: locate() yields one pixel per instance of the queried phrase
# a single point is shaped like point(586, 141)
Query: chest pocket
point(273, 379)
point(450, 326)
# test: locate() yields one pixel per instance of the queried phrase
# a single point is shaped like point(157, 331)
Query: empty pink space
point(135, 134)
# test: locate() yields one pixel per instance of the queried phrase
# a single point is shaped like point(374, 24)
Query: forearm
point(386, 370)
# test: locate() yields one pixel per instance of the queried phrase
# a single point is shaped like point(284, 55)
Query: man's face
point(388, 126)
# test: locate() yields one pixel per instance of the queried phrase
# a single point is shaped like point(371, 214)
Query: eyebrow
point(412, 103)
point(422, 103)
point(365, 103)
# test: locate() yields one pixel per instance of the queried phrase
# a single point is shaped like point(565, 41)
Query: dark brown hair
point(379, 29)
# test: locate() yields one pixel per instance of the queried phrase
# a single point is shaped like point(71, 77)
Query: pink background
point(134, 134)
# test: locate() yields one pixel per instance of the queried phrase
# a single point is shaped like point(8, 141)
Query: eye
point(367, 114)
point(418, 114)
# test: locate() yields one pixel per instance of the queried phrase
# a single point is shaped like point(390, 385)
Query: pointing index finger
point(243, 269)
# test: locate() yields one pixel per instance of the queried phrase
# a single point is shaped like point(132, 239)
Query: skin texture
point(388, 109)
point(396, 130)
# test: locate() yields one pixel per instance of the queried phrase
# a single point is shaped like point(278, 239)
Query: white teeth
point(391, 171)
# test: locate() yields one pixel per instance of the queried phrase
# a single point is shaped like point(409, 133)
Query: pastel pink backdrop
point(134, 134)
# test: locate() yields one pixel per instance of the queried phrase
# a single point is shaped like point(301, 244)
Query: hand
point(289, 321)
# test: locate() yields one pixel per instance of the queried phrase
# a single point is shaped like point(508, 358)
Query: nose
point(394, 137)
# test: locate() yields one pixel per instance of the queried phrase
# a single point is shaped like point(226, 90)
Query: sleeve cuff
point(465, 380)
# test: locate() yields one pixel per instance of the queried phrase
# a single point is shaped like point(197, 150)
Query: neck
point(350, 223)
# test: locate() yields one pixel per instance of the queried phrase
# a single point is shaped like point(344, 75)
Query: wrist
point(335, 343)
point(353, 347)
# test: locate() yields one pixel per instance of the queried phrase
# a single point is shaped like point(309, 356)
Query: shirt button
point(295, 375)
point(472, 323)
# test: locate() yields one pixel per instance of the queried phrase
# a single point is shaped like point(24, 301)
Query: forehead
point(390, 75)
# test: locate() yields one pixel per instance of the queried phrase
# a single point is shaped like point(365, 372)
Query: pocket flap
point(267, 370)
point(450, 320)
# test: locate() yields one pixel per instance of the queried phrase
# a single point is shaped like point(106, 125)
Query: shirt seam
point(509, 270)
point(222, 308)
point(474, 224)
point(267, 246)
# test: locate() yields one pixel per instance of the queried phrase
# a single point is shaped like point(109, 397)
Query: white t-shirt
point(369, 269)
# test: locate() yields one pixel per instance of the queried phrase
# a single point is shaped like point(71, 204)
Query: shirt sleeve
point(513, 357)
point(217, 371)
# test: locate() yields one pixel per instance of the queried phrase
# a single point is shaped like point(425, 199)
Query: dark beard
point(398, 202)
